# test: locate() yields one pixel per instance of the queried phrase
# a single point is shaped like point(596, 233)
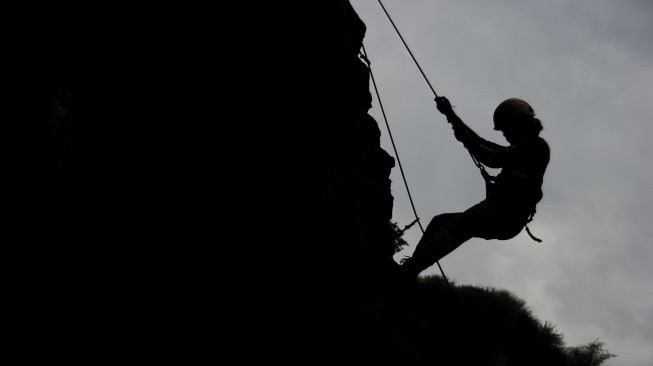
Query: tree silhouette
point(591, 354)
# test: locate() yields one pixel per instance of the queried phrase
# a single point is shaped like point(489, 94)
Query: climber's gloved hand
point(444, 106)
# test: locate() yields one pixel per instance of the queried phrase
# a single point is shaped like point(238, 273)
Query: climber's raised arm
point(488, 153)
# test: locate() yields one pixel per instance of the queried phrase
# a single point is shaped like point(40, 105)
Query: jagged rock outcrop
point(331, 187)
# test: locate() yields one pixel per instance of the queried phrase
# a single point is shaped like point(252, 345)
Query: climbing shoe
point(408, 270)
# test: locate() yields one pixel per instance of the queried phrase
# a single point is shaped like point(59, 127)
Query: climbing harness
point(528, 231)
point(489, 180)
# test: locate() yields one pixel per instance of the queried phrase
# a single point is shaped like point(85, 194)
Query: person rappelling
point(511, 196)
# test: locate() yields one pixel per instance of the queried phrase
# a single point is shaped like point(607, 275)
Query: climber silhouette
point(511, 196)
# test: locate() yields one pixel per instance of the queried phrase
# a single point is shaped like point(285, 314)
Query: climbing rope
point(394, 147)
point(408, 48)
point(480, 166)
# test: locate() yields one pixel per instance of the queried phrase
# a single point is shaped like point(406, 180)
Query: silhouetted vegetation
point(397, 237)
point(482, 326)
point(591, 354)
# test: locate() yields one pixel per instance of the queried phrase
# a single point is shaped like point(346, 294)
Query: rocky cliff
point(325, 188)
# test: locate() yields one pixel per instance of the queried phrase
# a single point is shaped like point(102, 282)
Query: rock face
point(331, 185)
point(160, 177)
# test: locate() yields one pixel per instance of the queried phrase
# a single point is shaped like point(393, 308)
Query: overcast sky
point(586, 66)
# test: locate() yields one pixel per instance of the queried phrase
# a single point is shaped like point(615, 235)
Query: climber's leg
point(435, 225)
point(449, 235)
point(447, 232)
point(410, 267)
